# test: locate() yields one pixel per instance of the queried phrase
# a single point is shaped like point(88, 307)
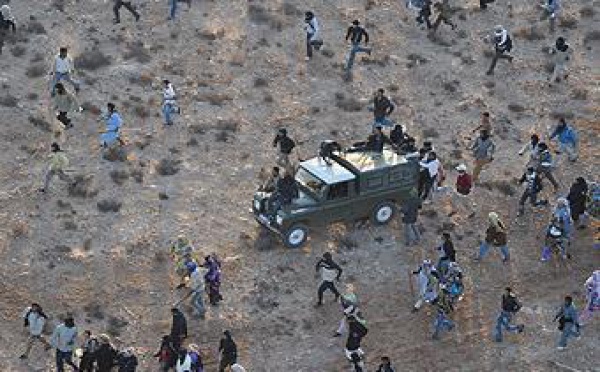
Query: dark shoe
point(318, 304)
point(521, 328)
point(41, 189)
point(510, 59)
point(337, 334)
point(137, 17)
point(414, 310)
point(489, 73)
point(23, 356)
point(116, 21)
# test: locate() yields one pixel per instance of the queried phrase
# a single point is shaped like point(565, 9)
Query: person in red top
point(464, 181)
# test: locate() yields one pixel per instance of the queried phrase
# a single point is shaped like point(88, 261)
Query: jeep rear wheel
point(295, 236)
point(383, 213)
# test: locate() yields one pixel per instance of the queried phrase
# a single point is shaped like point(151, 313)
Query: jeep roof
point(330, 174)
point(368, 161)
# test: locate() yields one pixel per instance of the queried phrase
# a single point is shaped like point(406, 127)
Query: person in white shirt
point(184, 362)
point(62, 69)
point(312, 34)
point(169, 102)
point(34, 319)
point(433, 167)
point(63, 340)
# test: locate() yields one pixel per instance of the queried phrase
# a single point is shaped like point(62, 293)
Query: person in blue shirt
point(567, 138)
point(568, 321)
point(113, 126)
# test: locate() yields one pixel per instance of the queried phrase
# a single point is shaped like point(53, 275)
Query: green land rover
point(345, 187)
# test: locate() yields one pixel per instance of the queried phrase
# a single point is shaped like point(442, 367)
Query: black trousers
point(483, 3)
point(226, 361)
point(498, 55)
point(438, 22)
point(62, 117)
point(127, 5)
point(325, 286)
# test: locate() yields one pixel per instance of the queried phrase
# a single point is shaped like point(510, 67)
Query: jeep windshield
point(310, 182)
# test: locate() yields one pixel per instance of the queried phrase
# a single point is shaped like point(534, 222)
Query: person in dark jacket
point(355, 34)
point(382, 109)
point(357, 330)
point(409, 146)
point(447, 253)
point(577, 201)
point(410, 214)
point(178, 328)
point(494, 235)
point(376, 141)
point(483, 3)
point(532, 189)
point(502, 46)
point(89, 347)
point(127, 361)
point(425, 13)
point(166, 354)
point(545, 165)
point(568, 319)
point(330, 272)
point(397, 136)
point(443, 15)
point(286, 145)
point(105, 355)
point(386, 365)
point(510, 306)
point(228, 350)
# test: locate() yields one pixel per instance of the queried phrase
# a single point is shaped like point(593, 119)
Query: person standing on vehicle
point(568, 322)
point(313, 38)
point(502, 46)
point(34, 319)
point(228, 350)
point(355, 35)
point(495, 235)
point(546, 165)
point(533, 186)
point(483, 152)
point(63, 340)
point(410, 214)
point(286, 145)
point(382, 109)
point(330, 272)
point(510, 306)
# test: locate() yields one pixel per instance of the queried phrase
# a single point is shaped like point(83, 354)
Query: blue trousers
point(356, 48)
point(503, 322)
point(570, 330)
point(441, 323)
point(485, 247)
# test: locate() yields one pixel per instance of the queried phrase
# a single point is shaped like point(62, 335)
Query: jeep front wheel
point(383, 213)
point(295, 236)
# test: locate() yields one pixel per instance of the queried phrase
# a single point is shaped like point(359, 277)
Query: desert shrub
point(587, 11)
point(268, 98)
point(451, 86)
point(348, 104)
point(70, 225)
point(531, 33)
point(515, 107)
point(115, 153)
point(137, 174)
point(328, 53)
point(115, 326)
point(141, 111)
point(18, 51)
point(228, 125)
point(430, 133)
point(222, 136)
point(94, 310)
point(568, 22)
point(36, 70)
point(9, 100)
point(215, 99)
point(35, 27)
point(260, 82)
point(591, 36)
point(290, 9)
point(92, 60)
point(40, 123)
point(119, 176)
point(138, 52)
point(33, 96)
point(82, 187)
point(109, 205)
point(168, 167)
point(579, 94)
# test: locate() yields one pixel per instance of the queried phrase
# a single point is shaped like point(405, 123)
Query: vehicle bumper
point(264, 221)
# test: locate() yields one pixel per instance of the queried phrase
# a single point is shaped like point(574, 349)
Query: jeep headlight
point(257, 205)
point(279, 219)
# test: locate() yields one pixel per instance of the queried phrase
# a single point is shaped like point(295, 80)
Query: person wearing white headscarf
point(592, 290)
point(494, 235)
point(563, 212)
point(502, 46)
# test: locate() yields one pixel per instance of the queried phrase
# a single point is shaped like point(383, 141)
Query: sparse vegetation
point(168, 167)
point(350, 104)
point(109, 205)
point(138, 52)
point(92, 60)
point(119, 176)
point(36, 70)
point(40, 123)
point(18, 51)
point(9, 100)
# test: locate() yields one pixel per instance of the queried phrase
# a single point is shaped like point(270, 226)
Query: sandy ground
point(239, 68)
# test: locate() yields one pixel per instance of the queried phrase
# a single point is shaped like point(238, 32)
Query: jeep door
point(337, 202)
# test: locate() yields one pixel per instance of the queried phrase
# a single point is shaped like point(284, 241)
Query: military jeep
point(345, 186)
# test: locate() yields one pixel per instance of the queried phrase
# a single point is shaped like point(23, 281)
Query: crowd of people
point(440, 283)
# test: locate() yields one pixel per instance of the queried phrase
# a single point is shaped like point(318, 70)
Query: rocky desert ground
point(100, 250)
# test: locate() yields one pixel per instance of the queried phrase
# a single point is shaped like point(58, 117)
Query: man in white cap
point(502, 46)
point(464, 181)
point(7, 23)
point(428, 278)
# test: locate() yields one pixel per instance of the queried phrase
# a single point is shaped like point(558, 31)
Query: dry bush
point(259, 15)
point(9, 100)
point(37, 57)
point(82, 187)
point(137, 174)
point(591, 36)
point(348, 104)
point(115, 326)
point(196, 129)
point(505, 187)
point(119, 176)
point(20, 229)
point(59, 5)
point(215, 99)
point(115, 153)
point(91, 108)
point(32, 96)
point(260, 82)
point(92, 60)
point(328, 53)
point(94, 310)
point(416, 58)
point(222, 136)
point(290, 9)
point(36, 70)
point(18, 51)
point(587, 11)
point(568, 22)
point(579, 94)
point(515, 107)
point(192, 142)
point(430, 133)
point(451, 86)
point(268, 98)
point(168, 167)
point(138, 52)
point(40, 123)
point(70, 225)
point(35, 27)
point(141, 111)
point(109, 205)
point(228, 125)
point(531, 33)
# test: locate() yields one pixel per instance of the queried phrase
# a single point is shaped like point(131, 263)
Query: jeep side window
point(338, 191)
